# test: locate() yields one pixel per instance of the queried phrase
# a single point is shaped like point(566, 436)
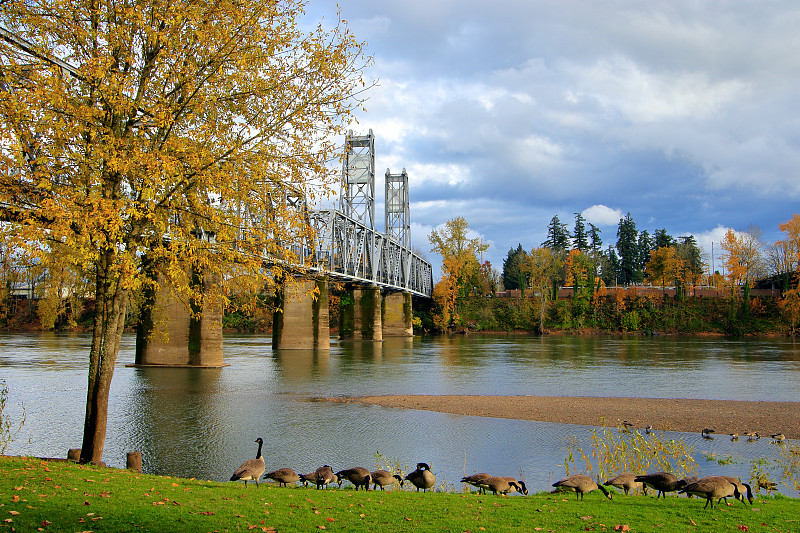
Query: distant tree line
point(624, 263)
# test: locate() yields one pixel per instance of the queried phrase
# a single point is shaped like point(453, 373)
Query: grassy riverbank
point(38, 495)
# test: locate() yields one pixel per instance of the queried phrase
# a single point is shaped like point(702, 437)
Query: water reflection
point(202, 422)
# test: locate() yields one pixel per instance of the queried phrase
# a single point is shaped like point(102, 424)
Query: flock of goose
point(710, 487)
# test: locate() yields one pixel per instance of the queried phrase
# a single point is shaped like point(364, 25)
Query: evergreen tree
point(557, 236)
point(514, 269)
point(597, 242)
point(663, 239)
point(645, 245)
point(689, 252)
point(580, 239)
point(628, 250)
point(611, 272)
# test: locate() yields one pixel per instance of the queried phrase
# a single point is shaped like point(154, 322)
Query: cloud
point(510, 112)
point(601, 215)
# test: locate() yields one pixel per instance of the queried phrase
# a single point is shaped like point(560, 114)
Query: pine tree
point(597, 242)
point(514, 269)
point(557, 236)
point(580, 239)
point(628, 249)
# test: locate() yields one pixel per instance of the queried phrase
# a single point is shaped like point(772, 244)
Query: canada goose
point(625, 481)
point(384, 478)
point(663, 482)
point(360, 477)
point(324, 475)
point(626, 425)
point(743, 488)
point(648, 429)
point(734, 436)
point(751, 435)
point(706, 433)
point(475, 480)
point(251, 469)
point(711, 487)
point(780, 437)
point(520, 485)
point(580, 484)
point(501, 485)
point(422, 477)
point(305, 479)
point(283, 476)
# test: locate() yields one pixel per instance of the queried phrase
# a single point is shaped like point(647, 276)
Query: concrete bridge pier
point(301, 317)
point(396, 315)
point(170, 333)
point(360, 313)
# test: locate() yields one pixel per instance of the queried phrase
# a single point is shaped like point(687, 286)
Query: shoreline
point(663, 414)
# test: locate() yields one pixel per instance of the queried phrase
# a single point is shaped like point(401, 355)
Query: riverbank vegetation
point(60, 496)
point(643, 284)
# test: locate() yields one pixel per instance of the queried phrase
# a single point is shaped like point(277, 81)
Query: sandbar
point(663, 414)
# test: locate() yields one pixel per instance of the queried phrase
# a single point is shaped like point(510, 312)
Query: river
point(202, 422)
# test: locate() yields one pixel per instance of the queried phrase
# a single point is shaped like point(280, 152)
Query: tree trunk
point(111, 301)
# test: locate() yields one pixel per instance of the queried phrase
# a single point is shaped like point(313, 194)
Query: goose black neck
point(260, 443)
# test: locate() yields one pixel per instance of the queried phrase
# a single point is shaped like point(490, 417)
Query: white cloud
point(601, 215)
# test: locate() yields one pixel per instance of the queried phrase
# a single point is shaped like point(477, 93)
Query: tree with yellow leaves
point(171, 131)
point(461, 270)
point(742, 255)
point(544, 270)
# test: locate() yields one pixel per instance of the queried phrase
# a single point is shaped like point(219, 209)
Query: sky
point(683, 113)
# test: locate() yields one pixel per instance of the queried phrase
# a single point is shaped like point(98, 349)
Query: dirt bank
point(723, 416)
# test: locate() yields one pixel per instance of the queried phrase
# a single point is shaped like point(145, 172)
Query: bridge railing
point(347, 249)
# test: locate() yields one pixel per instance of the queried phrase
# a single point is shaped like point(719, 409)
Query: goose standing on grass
point(324, 475)
point(384, 478)
point(422, 477)
point(501, 485)
point(743, 488)
point(663, 482)
point(580, 484)
point(520, 485)
point(475, 480)
point(251, 469)
point(360, 477)
point(283, 476)
point(710, 488)
point(626, 482)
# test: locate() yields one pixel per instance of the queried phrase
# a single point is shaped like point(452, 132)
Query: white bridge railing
point(350, 251)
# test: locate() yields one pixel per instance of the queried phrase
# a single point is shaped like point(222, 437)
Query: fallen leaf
point(46, 523)
point(15, 498)
point(320, 527)
point(587, 517)
point(743, 527)
point(622, 527)
point(158, 503)
point(13, 513)
point(329, 519)
point(207, 513)
point(692, 522)
point(8, 520)
point(175, 485)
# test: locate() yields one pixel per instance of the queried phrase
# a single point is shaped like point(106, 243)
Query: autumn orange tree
point(742, 255)
point(461, 270)
point(170, 131)
point(666, 267)
point(789, 254)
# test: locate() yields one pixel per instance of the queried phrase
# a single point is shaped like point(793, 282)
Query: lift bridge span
point(347, 247)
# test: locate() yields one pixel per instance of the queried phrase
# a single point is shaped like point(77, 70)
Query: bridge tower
point(358, 178)
point(398, 217)
point(396, 309)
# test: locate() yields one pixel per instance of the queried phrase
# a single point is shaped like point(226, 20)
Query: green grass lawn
point(37, 495)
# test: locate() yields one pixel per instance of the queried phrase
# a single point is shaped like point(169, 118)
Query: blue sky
point(683, 113)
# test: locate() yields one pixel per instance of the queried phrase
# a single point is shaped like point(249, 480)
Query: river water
point(202, 422)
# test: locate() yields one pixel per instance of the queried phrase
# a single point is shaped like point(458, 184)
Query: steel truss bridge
point(346, 245)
